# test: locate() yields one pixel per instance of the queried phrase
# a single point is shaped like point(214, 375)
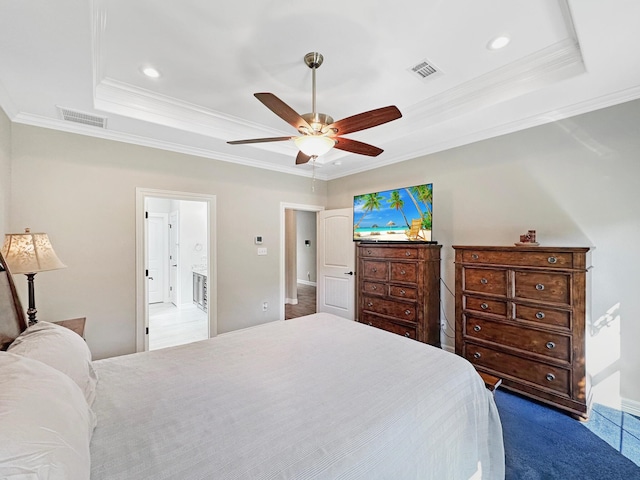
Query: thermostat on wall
point(258, 239)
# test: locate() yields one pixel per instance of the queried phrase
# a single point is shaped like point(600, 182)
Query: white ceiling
point(566, 57)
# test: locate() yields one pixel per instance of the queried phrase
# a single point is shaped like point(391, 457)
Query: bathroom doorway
point(177, 303)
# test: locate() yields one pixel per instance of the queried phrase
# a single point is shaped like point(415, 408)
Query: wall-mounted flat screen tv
point(398, 215)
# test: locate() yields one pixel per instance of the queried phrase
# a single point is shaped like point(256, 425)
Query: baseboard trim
point(630, 406)
point(291, 301)
point(306, 282)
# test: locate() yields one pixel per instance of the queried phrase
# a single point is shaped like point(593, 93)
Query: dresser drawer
point(517, 368)
point(409, 293)
point(403, 272)
point(374, 270)
point(401, 310)
point(543, 287)
point(547, 259)
point(386, 252)
point(374, 288)
point(552, 345)
point(495, 307)
point(543, 315)
point(388, 325)
point(483, 280)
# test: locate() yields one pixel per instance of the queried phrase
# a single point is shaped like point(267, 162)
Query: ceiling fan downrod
point(313, 61)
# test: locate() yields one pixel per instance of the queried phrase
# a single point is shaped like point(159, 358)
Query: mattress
point(317, 397)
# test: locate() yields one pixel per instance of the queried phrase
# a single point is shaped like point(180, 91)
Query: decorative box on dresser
point(399, 289)
point(521, 316)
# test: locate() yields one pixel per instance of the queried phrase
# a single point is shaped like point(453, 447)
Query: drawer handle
point(474, 256)
point(407, 334)
point(402, 293)
point(477, 355)
point(484, 306)
point(540, 315)
point(540, 287)
point(484, 281)
point(374, 270)
point(374, 287)
point(368, 252)
point(477, 328)
point(407, 312)
point(551, 345)
point(552, 259)
point(370, 304)
point(550, 377)
point(407, 253)
point(402, 272)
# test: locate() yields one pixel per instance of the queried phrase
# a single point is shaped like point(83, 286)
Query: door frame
point(290, 206)
point(142, 304)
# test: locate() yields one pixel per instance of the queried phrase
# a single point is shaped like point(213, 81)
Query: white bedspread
point(317, 397)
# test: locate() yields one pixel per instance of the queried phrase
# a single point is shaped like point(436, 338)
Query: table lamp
point(30, 253)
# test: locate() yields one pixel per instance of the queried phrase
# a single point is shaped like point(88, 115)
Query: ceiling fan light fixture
point(314, 145)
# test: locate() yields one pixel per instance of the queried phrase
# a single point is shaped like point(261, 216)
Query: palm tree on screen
point(371, 201)
point(395, 201)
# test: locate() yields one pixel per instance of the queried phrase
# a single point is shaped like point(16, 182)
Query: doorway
point(300, 263)
point(175, 253)
point(298, 279)
point(335, 259)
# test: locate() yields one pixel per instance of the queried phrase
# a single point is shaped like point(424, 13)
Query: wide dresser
point(399, 289)
point(521, 316)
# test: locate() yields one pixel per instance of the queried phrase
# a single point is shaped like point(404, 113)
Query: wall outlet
point(262, 250)
point(265, 306)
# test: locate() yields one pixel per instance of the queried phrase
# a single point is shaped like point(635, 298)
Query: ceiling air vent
point(83, 118)
point(424, 69)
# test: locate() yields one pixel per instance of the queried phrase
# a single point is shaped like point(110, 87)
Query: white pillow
point(62, 349)
point(46, 424)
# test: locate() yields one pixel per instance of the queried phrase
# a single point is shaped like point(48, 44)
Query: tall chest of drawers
point(521, 316)
point(399, 289)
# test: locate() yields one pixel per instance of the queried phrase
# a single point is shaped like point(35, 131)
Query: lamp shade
point(314, 145)
point(30, 253)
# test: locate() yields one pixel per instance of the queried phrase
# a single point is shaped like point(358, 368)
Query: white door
point(336, 263)
point(173, 258)
point(157, 256)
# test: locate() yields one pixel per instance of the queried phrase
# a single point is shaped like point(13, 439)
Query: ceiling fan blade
point(302, 158)
point(283, 110)
point(364, 120)
point(259, 140)
point(355, 146)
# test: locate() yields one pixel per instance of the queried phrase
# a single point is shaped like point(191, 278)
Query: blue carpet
point(542, 443)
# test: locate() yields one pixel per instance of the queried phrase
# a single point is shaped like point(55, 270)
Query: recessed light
point(498, 42)
point(150, 72)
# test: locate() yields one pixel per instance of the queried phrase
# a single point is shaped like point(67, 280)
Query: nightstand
point(75, 324)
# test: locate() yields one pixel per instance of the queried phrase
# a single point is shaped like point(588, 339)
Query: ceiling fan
point(318, 133)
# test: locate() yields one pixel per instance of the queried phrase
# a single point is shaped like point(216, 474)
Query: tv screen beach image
point(401, 214)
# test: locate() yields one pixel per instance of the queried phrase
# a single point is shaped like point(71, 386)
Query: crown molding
point(506, 128)
point(568, 111)
point(6, 103)
point(69, 127)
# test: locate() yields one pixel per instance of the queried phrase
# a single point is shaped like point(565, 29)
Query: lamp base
point(31, 311)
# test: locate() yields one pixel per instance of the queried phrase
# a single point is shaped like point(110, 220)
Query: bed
point(318, 397)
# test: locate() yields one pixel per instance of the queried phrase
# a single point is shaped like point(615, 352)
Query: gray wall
point(5, 174)
point(81, 191)
point(576, 182)
point(306, 256)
